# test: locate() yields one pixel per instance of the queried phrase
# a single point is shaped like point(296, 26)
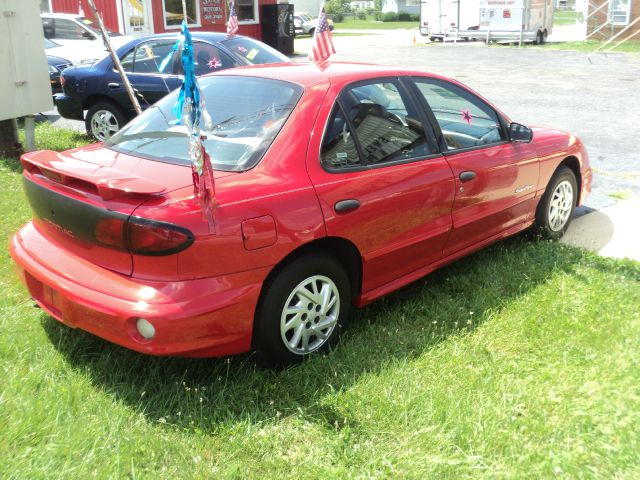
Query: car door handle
point(467, 176)
point(113, 85)
point(346, 205)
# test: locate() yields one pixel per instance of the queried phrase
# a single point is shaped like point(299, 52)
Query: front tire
point(103, 120)
point(556, 206)
point(301, 311)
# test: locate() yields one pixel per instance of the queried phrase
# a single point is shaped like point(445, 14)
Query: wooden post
point(116, 60)
point(29, 133)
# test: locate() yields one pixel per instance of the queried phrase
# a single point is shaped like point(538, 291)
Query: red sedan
point(334, 187)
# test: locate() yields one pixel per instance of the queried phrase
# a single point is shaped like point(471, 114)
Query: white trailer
point(489, 20)
point(443, 18)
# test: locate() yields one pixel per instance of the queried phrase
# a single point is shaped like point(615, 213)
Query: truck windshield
point(247, 113)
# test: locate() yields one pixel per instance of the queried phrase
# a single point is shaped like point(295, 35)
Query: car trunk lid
point(83, 199)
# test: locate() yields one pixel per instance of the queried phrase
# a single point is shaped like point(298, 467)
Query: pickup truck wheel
point(556, 206)
point(103, 120)
point(312, 31)
point(301, 311)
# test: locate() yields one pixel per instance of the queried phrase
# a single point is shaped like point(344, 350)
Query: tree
point(9, 147)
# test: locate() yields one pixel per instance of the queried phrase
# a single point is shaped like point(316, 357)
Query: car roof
point(208, 36)
point(309, 74)
point(60, 15)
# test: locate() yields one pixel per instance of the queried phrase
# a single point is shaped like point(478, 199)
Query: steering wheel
point(486, 138)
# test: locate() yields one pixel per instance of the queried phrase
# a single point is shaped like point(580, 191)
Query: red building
point(144, 17)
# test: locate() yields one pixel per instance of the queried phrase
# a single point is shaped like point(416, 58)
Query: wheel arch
point(91, 100)
point(573, 164)
point(340, 248)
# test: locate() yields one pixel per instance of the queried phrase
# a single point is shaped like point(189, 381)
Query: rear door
point(381, 182)
point(495, 179)
point(143, 67)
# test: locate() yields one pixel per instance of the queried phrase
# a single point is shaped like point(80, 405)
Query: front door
point(496, 180)
point(381, 182)
point(138, 19)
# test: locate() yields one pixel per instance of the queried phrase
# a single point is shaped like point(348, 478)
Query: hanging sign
point(213, 12)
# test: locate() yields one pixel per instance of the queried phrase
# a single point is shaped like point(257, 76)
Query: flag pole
point(184, 11)
point(116, 60)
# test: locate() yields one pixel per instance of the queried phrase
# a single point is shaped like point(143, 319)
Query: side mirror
point(520, 133)
point(87, 34)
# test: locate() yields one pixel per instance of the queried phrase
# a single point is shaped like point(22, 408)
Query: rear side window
point(148, 56)
point(465, 120)
point(376, 122)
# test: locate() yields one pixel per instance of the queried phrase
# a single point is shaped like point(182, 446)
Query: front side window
point(619, 12)
point(173, 13)
point(465, 120)
point(243, 125)
point(378, 123)
point(250, 52)
point(247, 11)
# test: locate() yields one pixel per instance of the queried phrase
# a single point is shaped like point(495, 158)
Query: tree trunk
point(9, 146)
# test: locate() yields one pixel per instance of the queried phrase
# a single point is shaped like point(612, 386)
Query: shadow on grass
point(209, 394)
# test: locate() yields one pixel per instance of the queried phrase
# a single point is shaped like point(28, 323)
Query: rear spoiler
point(109, 182)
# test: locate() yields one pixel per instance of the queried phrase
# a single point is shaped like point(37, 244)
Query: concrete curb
point(611, 232)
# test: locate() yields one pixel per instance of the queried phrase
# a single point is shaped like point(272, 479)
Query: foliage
point(404, 16)
point(390, 17)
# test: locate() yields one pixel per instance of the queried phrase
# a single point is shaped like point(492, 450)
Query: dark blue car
point(98, 89)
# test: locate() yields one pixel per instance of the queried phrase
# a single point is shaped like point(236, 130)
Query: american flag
point(322, 47)
point(232, 24)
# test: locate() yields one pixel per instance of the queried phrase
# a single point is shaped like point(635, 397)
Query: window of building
point(173, 14)
point(247, 11)
point(465, 120)
point(619, 12)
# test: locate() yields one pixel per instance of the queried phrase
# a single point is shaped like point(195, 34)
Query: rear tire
point(556, 206)
point(301, 311)
point(103, 120)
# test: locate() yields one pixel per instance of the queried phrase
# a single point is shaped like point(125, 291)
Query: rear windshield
point(249, 51)
point(247, 114)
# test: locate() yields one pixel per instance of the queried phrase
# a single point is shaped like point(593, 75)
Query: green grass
point(520, 361)
point(621, 195)
point(589, 46)
point(566, 17)
point(356, 24)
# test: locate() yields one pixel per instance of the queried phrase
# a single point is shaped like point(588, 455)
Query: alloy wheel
point(310, 314)
point(560, 206)
point(104, 124)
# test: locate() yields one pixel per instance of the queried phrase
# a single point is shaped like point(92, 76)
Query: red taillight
point(142, 236)
point(62, 81)
point(147, 237)
point(111, 232)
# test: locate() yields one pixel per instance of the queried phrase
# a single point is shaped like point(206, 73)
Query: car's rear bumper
point(196, 318)
point(69, 107)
